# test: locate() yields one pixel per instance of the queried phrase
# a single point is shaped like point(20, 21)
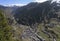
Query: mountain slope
point(36, 12)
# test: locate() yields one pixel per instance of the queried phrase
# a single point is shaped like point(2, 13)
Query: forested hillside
point(5, 29)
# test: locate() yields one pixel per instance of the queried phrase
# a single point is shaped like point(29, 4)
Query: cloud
point(14, 4)
point(44, 0)
point(39, 0)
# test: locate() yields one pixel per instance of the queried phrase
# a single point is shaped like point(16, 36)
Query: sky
point(18, 2)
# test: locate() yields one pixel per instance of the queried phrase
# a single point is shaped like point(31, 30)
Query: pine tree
point(5, 29)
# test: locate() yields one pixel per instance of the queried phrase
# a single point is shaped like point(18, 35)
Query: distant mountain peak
point(12, 5)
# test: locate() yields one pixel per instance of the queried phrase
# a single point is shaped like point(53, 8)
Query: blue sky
point(12, 2)
point(19, 2)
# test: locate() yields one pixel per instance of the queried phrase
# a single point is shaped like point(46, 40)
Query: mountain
point(32, 22)
point(36, 12)
point(8, 11)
